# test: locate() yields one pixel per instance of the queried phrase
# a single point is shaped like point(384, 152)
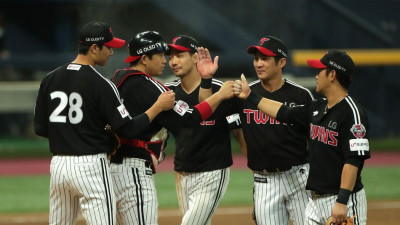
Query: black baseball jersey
point(271, 143)
point(139, 92)
point(335, 135)
point(205, 146)
point(74, 104)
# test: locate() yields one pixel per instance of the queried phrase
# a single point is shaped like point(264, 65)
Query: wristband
point(204, 109)
point(254, 98)
point(205, 83)
point(343, 196)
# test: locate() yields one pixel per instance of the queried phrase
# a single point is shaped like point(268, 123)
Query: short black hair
point(84, 49)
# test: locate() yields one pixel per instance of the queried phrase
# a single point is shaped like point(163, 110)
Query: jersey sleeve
point(41, 115)
point(112, 107)
point(354, 141)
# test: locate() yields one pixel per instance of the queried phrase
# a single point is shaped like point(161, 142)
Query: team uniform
point(203, 157)
point(73, 106)
point(132, 168)
point(335, 136)
point(277, 155)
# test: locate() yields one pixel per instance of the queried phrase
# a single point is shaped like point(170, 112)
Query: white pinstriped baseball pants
point(199, 194)
point(81, 183)
point(320, 209)
point(281, 197)
point(135, 192)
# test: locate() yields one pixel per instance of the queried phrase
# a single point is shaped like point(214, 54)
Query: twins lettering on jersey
point(323, 135)
point(259, 117)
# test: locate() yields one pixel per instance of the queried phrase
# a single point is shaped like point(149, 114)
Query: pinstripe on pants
point(280, 197)
point(81, 182)
point(135, 192)
point(319, 209)
point(200, 193)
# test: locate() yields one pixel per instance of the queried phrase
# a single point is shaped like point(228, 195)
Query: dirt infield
point(378, 212)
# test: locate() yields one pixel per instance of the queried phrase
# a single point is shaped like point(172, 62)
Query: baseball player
point(74, 104)
point(276, 152)
point(135, 162)
point(201, 163)
point(338, 140)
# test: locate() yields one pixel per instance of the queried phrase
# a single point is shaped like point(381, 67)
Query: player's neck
point(190, 81)
point(140, 68)
point(334, 96)
point(84, 60)
point(273, 84)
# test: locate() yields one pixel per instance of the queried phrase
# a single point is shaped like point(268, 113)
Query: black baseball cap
point(146, 42)
point(99, 33)
point(270, 46)
point(334, 59)
point(184, 43)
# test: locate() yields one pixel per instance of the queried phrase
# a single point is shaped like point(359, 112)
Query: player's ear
point(332, 75)
point(195, 57)
point(143, 59)
point(282, 62)
point(93, 49)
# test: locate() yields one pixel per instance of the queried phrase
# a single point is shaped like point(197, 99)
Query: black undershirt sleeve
point(355, 161)
point(134, 127)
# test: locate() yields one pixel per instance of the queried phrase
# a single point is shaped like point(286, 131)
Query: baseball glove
point(113, 140)
point(349, 221)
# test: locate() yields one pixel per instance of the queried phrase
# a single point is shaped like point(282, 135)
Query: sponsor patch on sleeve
point(122, 110)
point(234, 118)
point(359, 145)
point(181, 107)
point(74, 67)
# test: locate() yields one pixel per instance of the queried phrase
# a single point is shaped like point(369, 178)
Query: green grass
point(30, 193)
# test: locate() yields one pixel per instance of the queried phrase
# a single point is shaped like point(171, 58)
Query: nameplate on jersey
point(260, 180)
point(122, 110)
point(234, 118)
point(359, 145)
point(74, 67)
point(181, 107)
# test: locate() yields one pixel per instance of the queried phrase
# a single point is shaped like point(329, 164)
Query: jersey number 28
point(75, 113)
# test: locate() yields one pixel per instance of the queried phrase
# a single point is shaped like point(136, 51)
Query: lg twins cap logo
point(175, 39)
point(263, 40)
point(358, 130)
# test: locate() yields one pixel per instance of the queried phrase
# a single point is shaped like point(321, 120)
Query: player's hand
point(166, 100)
point(226, 90)
point(339, 214)
point(205, 65)
point(241, 88)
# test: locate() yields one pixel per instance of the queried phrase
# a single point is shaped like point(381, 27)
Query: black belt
point(277, 169)
point(316, 194)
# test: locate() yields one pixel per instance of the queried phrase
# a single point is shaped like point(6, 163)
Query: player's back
point(73, 109)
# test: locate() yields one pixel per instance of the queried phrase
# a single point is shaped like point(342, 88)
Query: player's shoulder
point(254, 84)
point(173, 84)
point(299, 88)
point(353, 106)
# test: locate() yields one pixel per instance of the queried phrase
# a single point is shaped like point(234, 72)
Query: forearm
point(349, 176)
point(152, 112)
